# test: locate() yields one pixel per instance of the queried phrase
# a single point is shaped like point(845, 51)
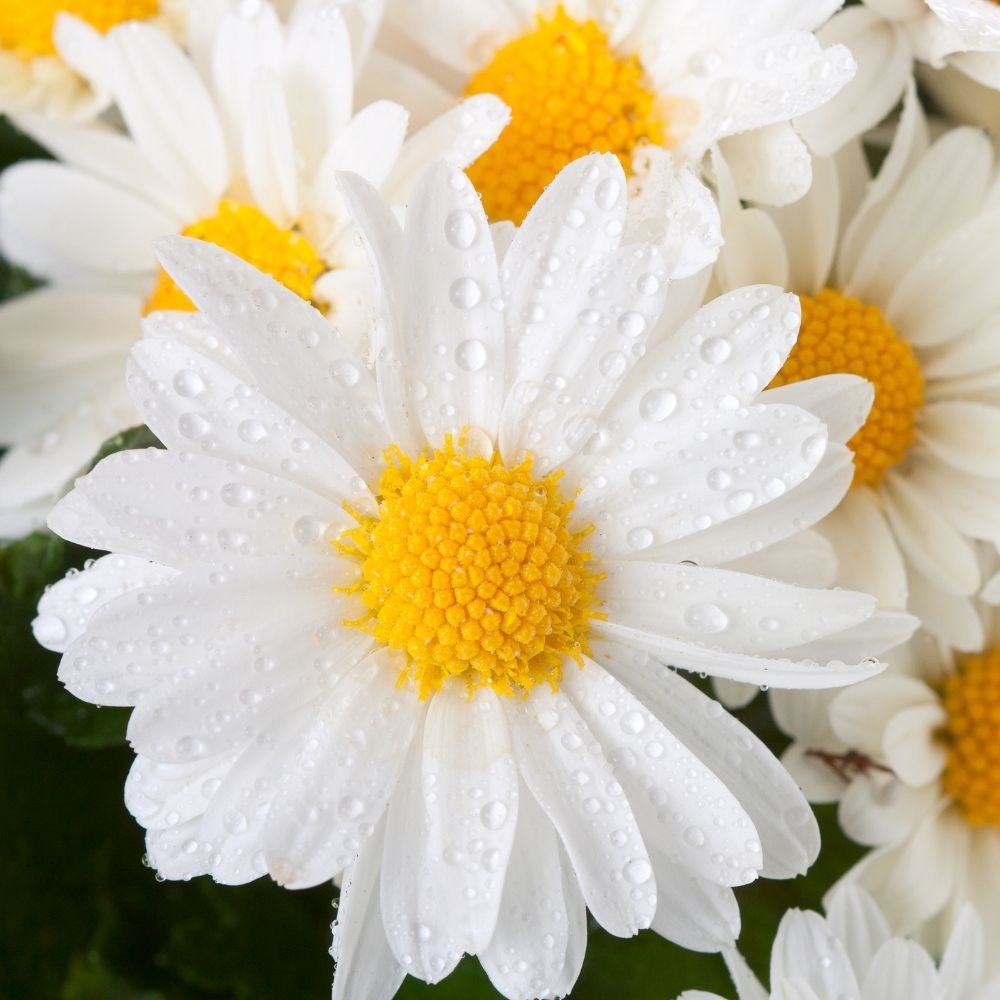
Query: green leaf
point(132, 439)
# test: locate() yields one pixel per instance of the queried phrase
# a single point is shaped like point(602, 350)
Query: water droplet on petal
point(460, 229)
point(705, 617)
point(465, 293)
point(470, 355)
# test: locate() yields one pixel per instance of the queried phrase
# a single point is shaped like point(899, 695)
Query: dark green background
point(81, 918)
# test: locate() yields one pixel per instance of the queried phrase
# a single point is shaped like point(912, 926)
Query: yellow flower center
point(247, 232)
point(26, 25)
point(971, 698)
point(842, 334)
point(569, 95)
point(471, 568)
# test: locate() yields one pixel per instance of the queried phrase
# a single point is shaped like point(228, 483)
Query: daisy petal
point(841, 401)
point(706, 832)
point(802, 937)
point(269, 151)
point(902, 968)
point(857, 923)
point(786, 827)
point(449, 257)
point(331, 794)
point(540, 892)
point(162, 795)
point(438, 893)
point(366, 966)
point(298, 359)
point(232, 420)
point(693, 912)
point(567, 773)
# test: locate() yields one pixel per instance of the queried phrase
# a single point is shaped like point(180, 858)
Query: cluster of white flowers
point(511, 361)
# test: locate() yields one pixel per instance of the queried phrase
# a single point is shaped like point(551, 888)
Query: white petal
point(458, 137)
point(928, 541)
point(961, 969)
point(867, 554)
point(232, 420)
point(565, 770)
point(952, 618)
point(269, 153)
point(884, 60)
point(693, 912)
point(185, 509)
point(318, 77)
point(945, 189)
point(51, 213)
point(773, 672)
point(681, 806)
point(754, 251)
point(860, 716)
point(160, 796)
point(805, 949)
point(668, 487)
point(901, 968)
point(341, 773)
point(770, 165)
point(65, 609)
point(856, 921)
point(841, 401)
point(798, 508)
point(366, 966)
point(169, 113)
point(911, 746)
point(963, 434)
point(300, 361)
point(541, 933)
point(723, 609)
point(671, 207)
point(786, 827)
point(450, 834)
point(452, 287)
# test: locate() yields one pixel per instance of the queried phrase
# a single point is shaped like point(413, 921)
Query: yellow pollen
point(26, 25)
point(971, 698)
point(842, 334)
point(471, 568)
point(247, 232)
point(569, 95)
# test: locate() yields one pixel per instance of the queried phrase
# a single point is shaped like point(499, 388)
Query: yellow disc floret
point(569, 95)
point(247, 232)
point(470, 567)
point(841, 334)
point(26, 25)
point(971, 698)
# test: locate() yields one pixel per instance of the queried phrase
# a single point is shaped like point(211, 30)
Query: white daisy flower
point(407, 618)
point(51, 52)
point(954, 44)
point(850, 953)
point(912, 758)
point(237, 145)
point(896, 283)
point(628, 78)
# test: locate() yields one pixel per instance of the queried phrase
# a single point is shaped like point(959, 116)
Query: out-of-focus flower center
point(470, 567)
point(842, 334)
point(284, 254)
point(569, 95)
point(971, 698)
point(26, 25)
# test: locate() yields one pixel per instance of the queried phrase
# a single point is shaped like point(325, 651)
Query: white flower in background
point(626, 78)
point(896, 280)
point(912, 756)
point(954, 44)
point(407, 617)
point(238, 147)
point(850, 955)
point(51, 51)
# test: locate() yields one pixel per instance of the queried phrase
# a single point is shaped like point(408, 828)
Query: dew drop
point(716, 350)
point(640, 538)
point(657, 404)
point(638, 871)
point(465, 293)
point(251, 431)
point(345, 372)
point(193, 426)
point(189, 384)
point(613, 364)
point(705, 617)
point(460, 229)
point(493, 815)
point(631, 324)
point(470, 355)
point(607, 193)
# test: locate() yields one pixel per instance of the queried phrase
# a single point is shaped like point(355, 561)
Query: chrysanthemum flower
point(954, 45)
point(896, 282)
point(405, 614)
point(238, 147)
point(850, 953)
point(51, 51)
point(912, 757)
point(630, 79)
